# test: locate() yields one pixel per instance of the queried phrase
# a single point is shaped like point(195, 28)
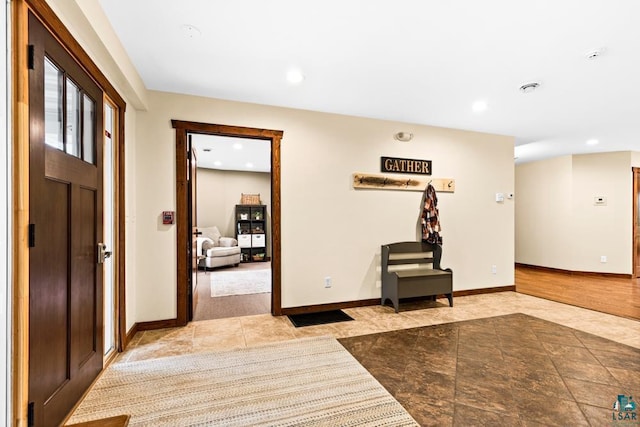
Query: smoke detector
point(403, 136)
point(529, 87)
point(594, 54)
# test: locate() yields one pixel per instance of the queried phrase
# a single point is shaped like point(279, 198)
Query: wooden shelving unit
point(251, 232)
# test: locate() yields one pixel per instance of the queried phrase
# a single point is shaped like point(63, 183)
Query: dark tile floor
point(512, 370)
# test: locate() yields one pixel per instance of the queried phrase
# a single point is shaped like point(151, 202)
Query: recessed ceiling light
point(249, 165)
point(529, 87)
point(479, 106)
point(295, 76)
point(237, 146)
point(592, 141)
point(191, 32)
point(217, 163)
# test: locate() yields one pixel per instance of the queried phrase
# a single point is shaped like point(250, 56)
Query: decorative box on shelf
point(250, 199)
point(257, 241)
point(244, 240)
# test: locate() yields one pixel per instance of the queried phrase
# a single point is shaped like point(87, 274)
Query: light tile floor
point(225, 334)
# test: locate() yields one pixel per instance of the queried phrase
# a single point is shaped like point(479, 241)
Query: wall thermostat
point(168, 217)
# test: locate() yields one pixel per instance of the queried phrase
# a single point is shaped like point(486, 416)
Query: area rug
point(512, 370)
point(319, 318)
point(304, 382)
point(225, 283)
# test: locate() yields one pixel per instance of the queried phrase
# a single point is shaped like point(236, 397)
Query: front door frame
point(20, 187)
point(184, 233)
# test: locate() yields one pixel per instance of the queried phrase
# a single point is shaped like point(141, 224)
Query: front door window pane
point(73, 119)
point(88, 125)
point(53, 113)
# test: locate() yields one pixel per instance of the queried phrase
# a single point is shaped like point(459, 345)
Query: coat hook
point(449, 184)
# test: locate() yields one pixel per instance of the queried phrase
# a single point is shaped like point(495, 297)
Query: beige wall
point(543, 213)
point(131, 239)
point(328, 228)
point(557, 223)
point(219, 192)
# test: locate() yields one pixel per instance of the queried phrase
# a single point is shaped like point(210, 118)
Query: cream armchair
point(216, 250)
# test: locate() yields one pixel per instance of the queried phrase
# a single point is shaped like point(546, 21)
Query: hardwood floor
point(612, 295)
point(208, 308)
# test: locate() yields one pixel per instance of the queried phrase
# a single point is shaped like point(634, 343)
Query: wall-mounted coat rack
point(395, 182)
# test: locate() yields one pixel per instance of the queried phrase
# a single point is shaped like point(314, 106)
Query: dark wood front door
point(65, 215)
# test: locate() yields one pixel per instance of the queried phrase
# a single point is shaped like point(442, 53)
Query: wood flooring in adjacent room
point(613, 295)
point(208, 308)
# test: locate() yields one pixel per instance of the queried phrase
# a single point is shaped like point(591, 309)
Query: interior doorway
point(184, 233)
point(233, 245)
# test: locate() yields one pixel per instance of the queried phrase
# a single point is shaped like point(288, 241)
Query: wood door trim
point(20, 249)
point(634, 227)
point(274, 136)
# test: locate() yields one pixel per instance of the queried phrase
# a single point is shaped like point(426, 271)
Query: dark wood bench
point(419, 276)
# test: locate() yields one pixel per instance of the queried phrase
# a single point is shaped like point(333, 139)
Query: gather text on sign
point(398, 165)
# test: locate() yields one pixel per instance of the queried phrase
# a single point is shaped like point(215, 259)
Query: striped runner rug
point(304, 382)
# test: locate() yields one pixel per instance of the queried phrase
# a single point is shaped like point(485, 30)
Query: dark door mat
point(320, 318)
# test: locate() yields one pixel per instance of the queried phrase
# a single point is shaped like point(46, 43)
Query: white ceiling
point(230, 153)
point(415, 61)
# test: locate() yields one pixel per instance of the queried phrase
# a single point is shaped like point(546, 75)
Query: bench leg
point(450, 298)
point(395, 303)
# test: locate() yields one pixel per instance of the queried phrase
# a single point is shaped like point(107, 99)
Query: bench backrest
point(410, 253)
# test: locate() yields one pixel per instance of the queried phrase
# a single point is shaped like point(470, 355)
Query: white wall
point(5, 225)
point(328, 228)
point(557, 223)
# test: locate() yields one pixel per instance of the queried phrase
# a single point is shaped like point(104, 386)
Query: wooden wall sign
point(390, 182)
point(398, 165)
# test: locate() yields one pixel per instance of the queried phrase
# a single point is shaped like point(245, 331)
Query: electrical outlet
point(494, 269)
point(603, 258)
point(327, 282)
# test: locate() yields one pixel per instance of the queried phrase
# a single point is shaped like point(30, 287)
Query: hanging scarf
point(430, 217)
